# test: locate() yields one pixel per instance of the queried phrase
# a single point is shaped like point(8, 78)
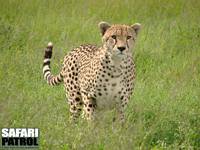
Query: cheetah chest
point(108, 93)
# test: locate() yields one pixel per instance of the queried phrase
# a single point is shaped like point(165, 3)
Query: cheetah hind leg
point(75, 107)
point(89, 107)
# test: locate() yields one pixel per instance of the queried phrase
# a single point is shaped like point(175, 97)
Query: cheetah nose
point(121, 48)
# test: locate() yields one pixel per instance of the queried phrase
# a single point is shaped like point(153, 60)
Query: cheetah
point(98, 78)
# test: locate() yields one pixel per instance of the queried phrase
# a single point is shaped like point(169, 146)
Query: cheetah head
point(119, 39)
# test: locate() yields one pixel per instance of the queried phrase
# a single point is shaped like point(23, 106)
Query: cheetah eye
point(129, 37)
point(114, 37)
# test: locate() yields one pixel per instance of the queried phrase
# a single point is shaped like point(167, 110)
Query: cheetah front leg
point(121, 108)
point(89, 107)
point(120, 114)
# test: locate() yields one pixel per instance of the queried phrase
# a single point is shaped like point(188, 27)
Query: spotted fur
point(98, 78)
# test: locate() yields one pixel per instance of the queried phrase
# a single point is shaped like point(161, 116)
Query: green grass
point(164, 112)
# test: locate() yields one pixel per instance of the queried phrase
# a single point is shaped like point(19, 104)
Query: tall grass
point(164, 112)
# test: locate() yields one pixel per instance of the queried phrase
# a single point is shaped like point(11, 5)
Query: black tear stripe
point(127, 43)
point(115, 41)
point(47, 54)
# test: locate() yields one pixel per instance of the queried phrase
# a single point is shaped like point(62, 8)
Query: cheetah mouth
point(120, 54)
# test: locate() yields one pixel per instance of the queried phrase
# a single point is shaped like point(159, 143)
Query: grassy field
point(164, 112)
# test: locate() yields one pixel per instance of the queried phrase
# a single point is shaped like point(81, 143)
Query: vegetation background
point(164, 112)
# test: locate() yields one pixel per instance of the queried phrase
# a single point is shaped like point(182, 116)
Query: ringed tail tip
point(50, 44)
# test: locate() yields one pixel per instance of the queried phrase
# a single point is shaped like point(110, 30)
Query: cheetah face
point(119, 39)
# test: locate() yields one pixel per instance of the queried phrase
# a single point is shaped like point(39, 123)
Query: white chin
point(119, 56)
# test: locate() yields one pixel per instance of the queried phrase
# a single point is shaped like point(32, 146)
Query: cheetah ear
point(103, 27)
point(136, 27)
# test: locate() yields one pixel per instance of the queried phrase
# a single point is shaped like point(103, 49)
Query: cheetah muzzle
point(98, 78)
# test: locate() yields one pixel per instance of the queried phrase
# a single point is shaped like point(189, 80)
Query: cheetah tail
point(51, 80)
